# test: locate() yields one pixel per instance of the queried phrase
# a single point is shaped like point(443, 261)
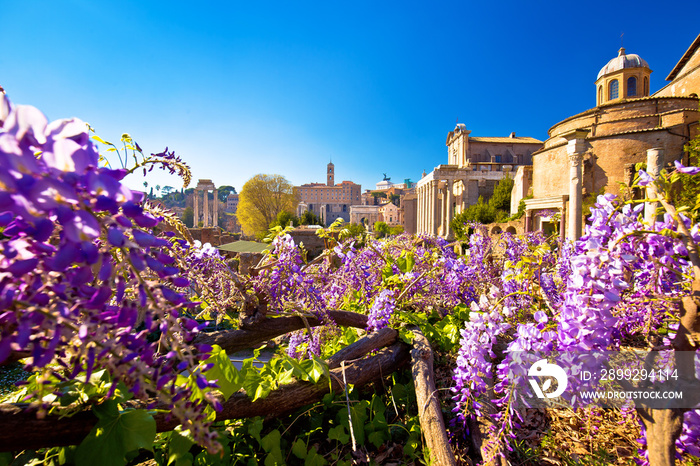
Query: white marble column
point(575, 149)
point(575, 189)
point(195, 201)
point(420, 209)
point(215, 220)
point(206, 207)
point(450, 209)
point(424, 201)
point(436, 208)
point(655, 161)
point(424, 213)
point(428, 207)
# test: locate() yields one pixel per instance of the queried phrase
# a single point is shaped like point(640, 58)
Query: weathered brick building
point(596, 150)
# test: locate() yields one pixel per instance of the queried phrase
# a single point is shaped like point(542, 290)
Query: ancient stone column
point(575, 193)
point(562, 224)
point(528, 221)
point(195, 200)
point(215, 220)
point(436, 207)
point(655, 162)
point(427, 208)
point(575, 149)
point(450, 210)
point(430, 209)
point(420, 210)
point(206, 207)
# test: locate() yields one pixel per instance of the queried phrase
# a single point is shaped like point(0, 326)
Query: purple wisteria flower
point(686, 170)
point(84, 283)
point(381, 311)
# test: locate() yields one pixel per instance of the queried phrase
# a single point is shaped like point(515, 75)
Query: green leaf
point(338, 433)
point(6, 458)
point(378, 438)
point(115, 435)
point(387, 271)
point(319, 369)
point(271, 444)
point(406, 261)
point(299, 449)
point(227, 376)
point(255, 427)
point(358, 414)
point(179, 449)
point(314, 459)
point(271, 441)
point(100, 140)
point(256, 386)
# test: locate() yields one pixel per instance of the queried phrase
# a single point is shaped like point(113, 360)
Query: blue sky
point(240, 88)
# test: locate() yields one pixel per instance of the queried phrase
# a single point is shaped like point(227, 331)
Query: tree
point(188, 217)
point(501, 194)
point(262, 198)
point(284, 219)
point(309, 218)
point(497, 209)
point(382, 229)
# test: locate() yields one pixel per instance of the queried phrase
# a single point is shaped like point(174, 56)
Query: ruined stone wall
point(312, 242)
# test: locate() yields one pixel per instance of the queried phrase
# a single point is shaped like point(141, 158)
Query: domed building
point(624, 77)
point(596, 150)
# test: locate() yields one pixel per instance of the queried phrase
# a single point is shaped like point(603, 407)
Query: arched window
point(600, 95)
point(613, 92)
point(632, 87)
point(646, 86)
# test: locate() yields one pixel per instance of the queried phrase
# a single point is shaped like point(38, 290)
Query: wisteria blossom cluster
point(620, 280)
point(284, 281)
point(84, 283)
point(209, 279)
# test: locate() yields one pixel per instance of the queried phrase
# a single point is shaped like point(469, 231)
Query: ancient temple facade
point(475, 166)
point(202, 211)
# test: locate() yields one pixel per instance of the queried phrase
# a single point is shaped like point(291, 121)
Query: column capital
point(575, 159)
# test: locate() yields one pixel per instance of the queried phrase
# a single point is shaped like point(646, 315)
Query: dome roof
point(622, 61)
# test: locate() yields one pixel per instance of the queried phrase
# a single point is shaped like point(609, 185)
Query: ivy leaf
point(224, 372)
point(115, 435)
point(179, 449)
point(338, 433)
point(255, 427)
point(271, 444)
point(314, 459)
point(378, 438)
point(299, 449)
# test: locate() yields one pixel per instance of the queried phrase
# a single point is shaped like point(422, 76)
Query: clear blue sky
point(240, 88)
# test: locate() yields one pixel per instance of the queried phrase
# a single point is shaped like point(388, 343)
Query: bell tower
point(330, 175)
